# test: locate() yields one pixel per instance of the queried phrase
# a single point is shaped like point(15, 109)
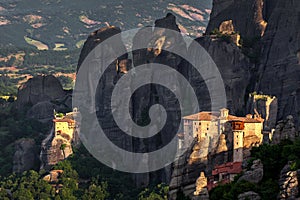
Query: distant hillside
point(61, 24)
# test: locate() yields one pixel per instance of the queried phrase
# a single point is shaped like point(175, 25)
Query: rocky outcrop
point(26, 155)
point(272, 24)
point(39, 89)
point(288, 183)
point(201, 192)
point(55, 148)
point(40, 95)
point(265, 106)
point(285, 130)
point(239, 12)
point(53, 176)
point(255, 174)
point(222, 144)
point(249, 196)
point(185, 174)
point(142, 98)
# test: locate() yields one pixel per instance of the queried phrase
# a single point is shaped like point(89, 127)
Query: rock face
point(255, 174)
point(234, 68)
point(26, 155)
point(279, 68)
point(40, 95)
point(57, 146)
point(285, 130)
point(143, 98)
point(277, 72)
point(249, 196)
point(185, 175)
point(266, 106)
point(96, 38)
point(288, 183)
point(55, 149)
point(201, 192)
point(239, 12)
point(39, 89)
point(53, 176)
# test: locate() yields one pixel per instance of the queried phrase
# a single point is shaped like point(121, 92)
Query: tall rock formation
point(57, 146)
point(274, 25)
point(247, 16)
point(26, 156)
point(279, 69)
point(39, 89)
point(144, 97)
point(40, 95)
point(234, 68)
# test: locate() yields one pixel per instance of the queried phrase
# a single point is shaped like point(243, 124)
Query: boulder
point(255, 174)
point(285, 130)
point(288, 183)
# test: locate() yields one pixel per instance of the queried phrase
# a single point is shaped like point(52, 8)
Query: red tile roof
point(230, 168)
point(64, 120)
point(210, 116)
point(245, 119)
point(203, 116)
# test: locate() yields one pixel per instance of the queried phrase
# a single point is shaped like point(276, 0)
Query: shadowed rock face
point(255, 174)
point(234, 68)
point(38, 89)
point(279, 69)
point(247, 16)
point(276, 24)
point(143, 98)
point(26, 155)
point(96, 38)
point(40, 95)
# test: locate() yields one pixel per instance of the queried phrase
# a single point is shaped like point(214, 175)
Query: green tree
point(96, 192)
